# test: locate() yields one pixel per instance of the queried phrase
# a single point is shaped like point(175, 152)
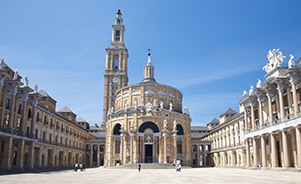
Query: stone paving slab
point(156, 176)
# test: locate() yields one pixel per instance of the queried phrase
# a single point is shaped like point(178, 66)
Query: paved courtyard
point(156, 176)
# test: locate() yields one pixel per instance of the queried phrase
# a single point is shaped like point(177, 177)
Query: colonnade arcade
point(272, 120)
point(95, 153)
point(147, 145)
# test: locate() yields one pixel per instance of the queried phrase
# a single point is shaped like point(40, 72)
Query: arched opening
point(150, 125)
point(116, 62)
point(180, 130)
point(116, 130)
point(26, 160)
point(61, 158)
point(149, 142)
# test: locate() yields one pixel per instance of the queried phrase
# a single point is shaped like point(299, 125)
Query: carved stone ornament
point(275, 58)
point(16, 74)
point(291, 62)
point(244, 93)
point(251, 90)
point(258, 84)
point(165, 124)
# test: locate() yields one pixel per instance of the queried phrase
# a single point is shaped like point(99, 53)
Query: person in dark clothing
point(139, 167)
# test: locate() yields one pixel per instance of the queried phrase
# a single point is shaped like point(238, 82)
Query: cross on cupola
point(149, 70)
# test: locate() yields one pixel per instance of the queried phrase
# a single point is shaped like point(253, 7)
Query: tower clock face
point(115, 80)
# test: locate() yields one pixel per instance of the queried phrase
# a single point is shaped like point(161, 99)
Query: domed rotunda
point(146, 124)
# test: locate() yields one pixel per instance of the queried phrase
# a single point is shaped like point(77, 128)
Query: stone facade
point(32, 133)
point(266, 132)
point(145, 123)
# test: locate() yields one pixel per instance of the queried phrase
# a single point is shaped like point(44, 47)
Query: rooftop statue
point(36, 88)
point(258, 84)
point(251, 90)
point(275, 58)
point(291, 62)
point(1, 64)
point(244, 93)
point(26, 82)
point(16, 74)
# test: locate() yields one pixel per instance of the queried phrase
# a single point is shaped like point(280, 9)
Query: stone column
point(98, 159)
point(260, 114)
point(34, 119)
point(286, 161)
point(31, 156)
point(20, 154)
point(175, 147)
point(273, 150)
point(131, 148)
point(246, 120)
point(165, 148)
point(270, 108)
point(255, 152)
point(10, 128)
point(23, 122)
point(295, 101)
point(198, 154)
point(7, 155)
point(252, 117)
point(298, 143)
point(263, 151)
point(281, 102)
point(121, 148)
point(205, 159)
point(143, 149)
point(91, 155)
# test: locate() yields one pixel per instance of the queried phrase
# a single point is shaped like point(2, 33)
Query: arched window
point(180, 130)
point(151, 125)
point(117, 129)
point(116, 63)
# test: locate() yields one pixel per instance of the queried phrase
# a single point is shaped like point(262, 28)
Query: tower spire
point(149, 70)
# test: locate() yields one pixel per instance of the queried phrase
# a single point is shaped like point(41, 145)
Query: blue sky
point(210, 50)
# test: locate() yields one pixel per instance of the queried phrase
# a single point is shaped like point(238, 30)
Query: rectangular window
point(50, 138)
point(117, 146)
point(117, 33)
point(7, 103)
point(37, 133)
point(44, 136)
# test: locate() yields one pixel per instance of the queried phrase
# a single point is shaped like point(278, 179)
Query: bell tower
point(115, 76)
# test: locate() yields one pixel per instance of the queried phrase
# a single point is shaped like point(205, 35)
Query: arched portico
point(148, 140)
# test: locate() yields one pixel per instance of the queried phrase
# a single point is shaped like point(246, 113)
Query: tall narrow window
point(116, 63)
point(117, 35)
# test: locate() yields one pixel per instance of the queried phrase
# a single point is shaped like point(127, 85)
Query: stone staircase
point(146, 166)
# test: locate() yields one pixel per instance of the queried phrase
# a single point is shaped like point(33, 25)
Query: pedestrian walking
point(81, 167)
point(139, 167)
point(75, 167)
point(84, 169)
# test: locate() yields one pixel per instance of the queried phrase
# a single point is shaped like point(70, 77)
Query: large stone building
point(266, 131)
point(144, 121)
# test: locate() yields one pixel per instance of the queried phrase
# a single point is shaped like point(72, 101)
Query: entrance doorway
point(148, 153)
